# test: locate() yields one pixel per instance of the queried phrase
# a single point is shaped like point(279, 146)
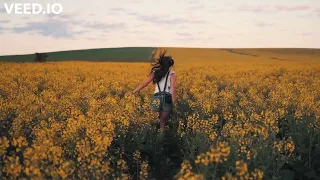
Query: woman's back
point(162, 83)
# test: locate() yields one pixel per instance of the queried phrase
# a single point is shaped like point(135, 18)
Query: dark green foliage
point(40, 57)
point(130, 54)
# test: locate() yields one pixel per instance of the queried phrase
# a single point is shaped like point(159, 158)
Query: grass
point(134, 54)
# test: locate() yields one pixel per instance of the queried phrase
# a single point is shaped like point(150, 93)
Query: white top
point(162, 81)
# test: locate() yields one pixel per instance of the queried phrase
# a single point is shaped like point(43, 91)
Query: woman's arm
point(173, 87)
point(143, 84)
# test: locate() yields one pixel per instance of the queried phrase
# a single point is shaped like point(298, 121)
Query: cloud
point(3, 10)
point(197, 7)
point(64, 16)
point(95, 39)
point(80, 32)
point(188, 2)
point(49, 27)
point(105, 26)
point(161, 20)
point(263, 24)
point(52, 28)
point(185, 34)
point(306, 34)
point(64, 26)
point(132, 14)
point(4, 21)
point(135, 1)
point(185, 39)
point(115, 11)
point(139, 25)
point(198, 22)
point(292, 8)
point(269, 8)
point(193, 2)
point(135, 32)
point(249, 8)
point(156, 19)
point(118, 9)
point(150, 38)
point(164, 20)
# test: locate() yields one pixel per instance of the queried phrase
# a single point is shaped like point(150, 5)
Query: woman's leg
point(163, 119)
point(156, 116)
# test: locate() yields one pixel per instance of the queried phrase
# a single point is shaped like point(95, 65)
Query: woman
point(164, 96)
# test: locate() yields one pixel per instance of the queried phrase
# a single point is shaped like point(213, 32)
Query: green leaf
point(287, 174)
point(311, 174)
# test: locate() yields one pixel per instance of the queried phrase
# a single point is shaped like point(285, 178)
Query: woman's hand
point(129, 93)
point(141, 86)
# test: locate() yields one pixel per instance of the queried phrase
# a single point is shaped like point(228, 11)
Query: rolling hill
point(183, 54)
point(135, 54)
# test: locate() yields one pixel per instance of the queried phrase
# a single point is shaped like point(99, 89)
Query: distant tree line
point(40, 57)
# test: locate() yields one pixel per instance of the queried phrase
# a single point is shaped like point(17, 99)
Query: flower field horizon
point(240, 114)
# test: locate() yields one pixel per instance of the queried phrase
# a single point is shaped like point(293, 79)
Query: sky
point(87, 24)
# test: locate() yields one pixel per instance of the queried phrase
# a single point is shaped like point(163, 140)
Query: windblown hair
point(161, 66)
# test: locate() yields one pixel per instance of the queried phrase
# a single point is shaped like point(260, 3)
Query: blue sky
point(173, 23)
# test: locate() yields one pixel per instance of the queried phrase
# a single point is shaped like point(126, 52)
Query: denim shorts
point(161, 101)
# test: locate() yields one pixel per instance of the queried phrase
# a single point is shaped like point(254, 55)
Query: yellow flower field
point(236, 117)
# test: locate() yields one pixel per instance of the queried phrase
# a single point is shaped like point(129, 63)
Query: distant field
point(135, 54)
point(181, 55)
point(197, 55)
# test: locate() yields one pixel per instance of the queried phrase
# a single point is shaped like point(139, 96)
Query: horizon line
point(179, 47)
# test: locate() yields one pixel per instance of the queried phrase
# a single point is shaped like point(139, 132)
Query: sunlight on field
point(274, 56)
point(237, 116)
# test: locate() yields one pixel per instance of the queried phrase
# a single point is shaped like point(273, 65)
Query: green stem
point(309, 150)
point(215, 170)
point(137, 170)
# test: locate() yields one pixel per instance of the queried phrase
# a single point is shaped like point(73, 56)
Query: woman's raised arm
point(142, 85)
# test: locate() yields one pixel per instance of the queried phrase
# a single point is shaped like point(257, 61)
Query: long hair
point(161, 66)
